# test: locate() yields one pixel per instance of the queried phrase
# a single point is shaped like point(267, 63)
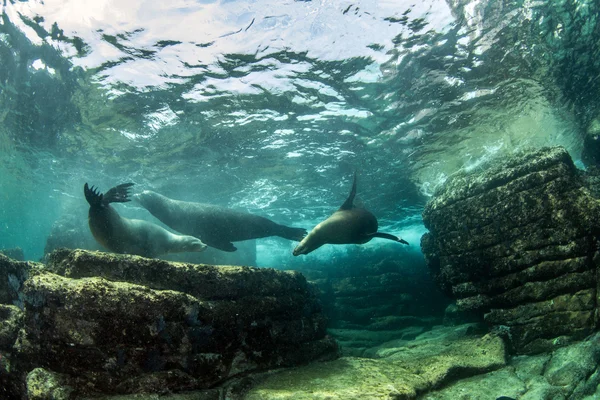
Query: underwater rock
point(374, 297)
point(453, 315)
point(203, 281)
point(11, 321)
point(591, 143)
point(46, 385)
point(568, 373)
point(71, 231)
point(117, 324)
point(15, 253)
point(403, 371)
point(12, 275)
point(592, 180)
point(518, 243)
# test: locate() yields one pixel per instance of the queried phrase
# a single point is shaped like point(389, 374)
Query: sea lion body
point(132, 236)
point(348, 225)
point(217, 226)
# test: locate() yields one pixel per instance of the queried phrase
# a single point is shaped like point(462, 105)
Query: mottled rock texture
point(568, 373)
point(402, 371)
point(98, 323)
point(518, 242)
point(377, 294)
point(16, 253)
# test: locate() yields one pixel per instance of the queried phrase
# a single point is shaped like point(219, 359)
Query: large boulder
point(518, 243)
point(96, 323)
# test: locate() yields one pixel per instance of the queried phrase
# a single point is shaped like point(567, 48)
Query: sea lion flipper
point(349, 203)
point(291, 233)
point(118, 194)
point(92, 195)
point(221, 245)
point(388, 236)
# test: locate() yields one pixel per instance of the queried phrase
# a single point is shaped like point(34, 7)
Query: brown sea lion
point(348, 225)
point(131, 236)
point(217, 226)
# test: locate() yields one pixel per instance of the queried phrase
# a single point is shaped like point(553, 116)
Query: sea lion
point(131, 236)
point(348, 225)
point(217, 226)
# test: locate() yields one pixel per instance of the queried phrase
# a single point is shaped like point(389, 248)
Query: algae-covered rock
point(11, 319)
point(15, 253)
point(12, 275)
point(46, 385)
point(517, 242)
point(199, 280)
point(179, 327)
point(432, 359)
point(568, 373)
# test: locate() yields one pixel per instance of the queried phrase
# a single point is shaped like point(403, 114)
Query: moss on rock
point(46, 385)
point(202, 281)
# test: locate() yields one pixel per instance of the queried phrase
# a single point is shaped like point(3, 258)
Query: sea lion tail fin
point(118, 194)
point(291, 233)
point(349, 203)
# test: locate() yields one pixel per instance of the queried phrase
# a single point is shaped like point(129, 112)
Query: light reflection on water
point(272, 105)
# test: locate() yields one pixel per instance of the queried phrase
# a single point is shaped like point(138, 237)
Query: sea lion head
point(311, 242)
point(300, 249)
point(192, 244)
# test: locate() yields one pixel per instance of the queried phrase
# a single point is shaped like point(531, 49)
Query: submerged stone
point(517, 243)
point(571, 372)
point(180, 327)
point(15, 253)
point(402, 371)
point(46, 385)
point(12, 275)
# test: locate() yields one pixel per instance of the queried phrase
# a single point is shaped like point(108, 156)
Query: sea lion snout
point(195, 245)
point(298, 250)
point(308, 244)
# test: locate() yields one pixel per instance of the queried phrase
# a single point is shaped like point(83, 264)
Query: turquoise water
point(270, 106)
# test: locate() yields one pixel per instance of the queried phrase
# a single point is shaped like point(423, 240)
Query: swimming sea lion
point(348, 225)
point(131, 236)
point(217, 226)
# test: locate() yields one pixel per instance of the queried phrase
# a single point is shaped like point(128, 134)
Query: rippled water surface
point(271, 105)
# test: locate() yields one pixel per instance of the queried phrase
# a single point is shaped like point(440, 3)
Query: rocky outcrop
point(12, 276)
point(376, 295)
point(97, 323)
point(401, 371)
point(519, 243)
point(569, 373)
point(16, 253)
